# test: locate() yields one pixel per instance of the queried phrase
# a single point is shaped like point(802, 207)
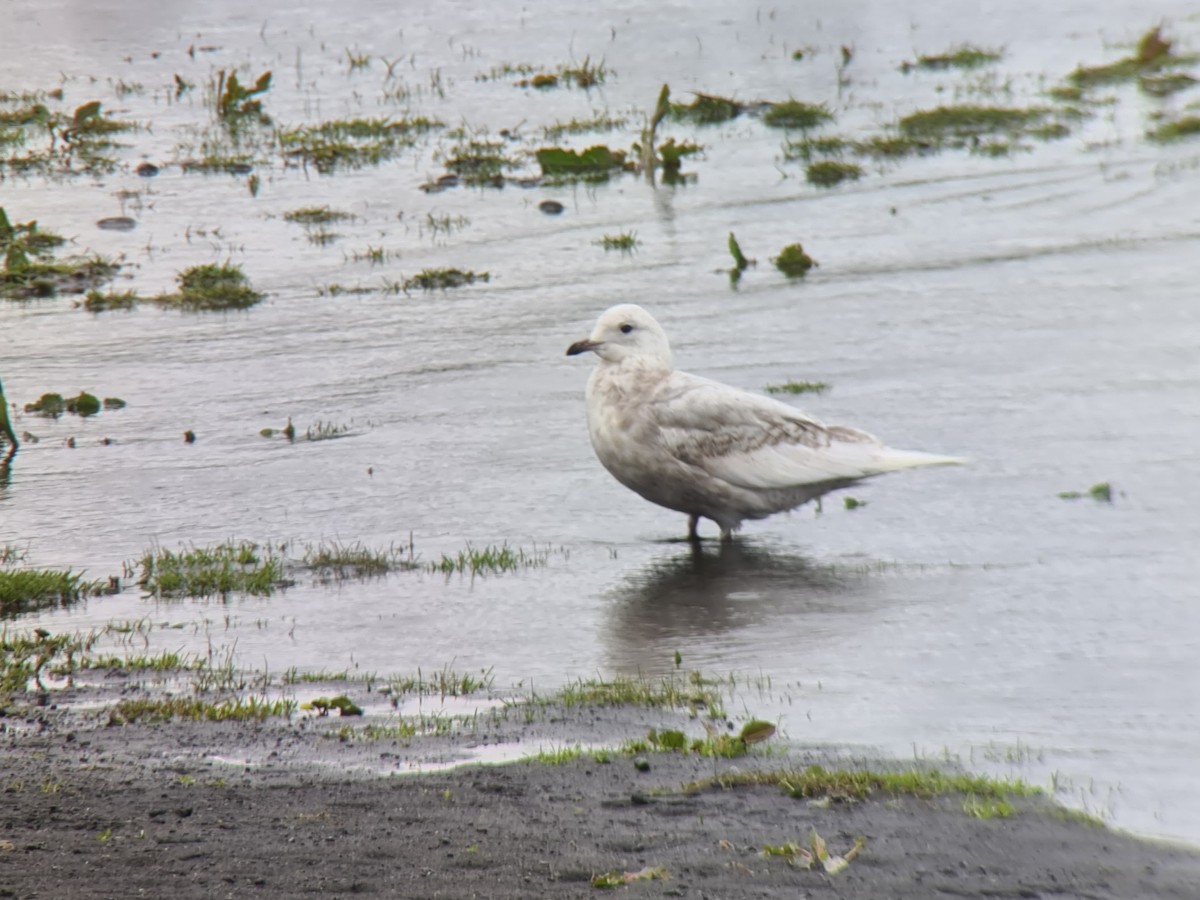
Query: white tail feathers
point(889, 460)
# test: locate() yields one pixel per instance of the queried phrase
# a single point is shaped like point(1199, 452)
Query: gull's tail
point(891, 460)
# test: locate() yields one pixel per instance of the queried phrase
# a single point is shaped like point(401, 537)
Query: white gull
point(707, 449)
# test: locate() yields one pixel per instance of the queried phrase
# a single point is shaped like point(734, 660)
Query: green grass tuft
point(796, 114)
point(211, 571)
point(211, 288)
point(798, 387)
point(828, 172)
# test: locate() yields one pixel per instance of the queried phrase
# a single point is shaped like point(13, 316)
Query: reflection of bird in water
point(708, 449)
point(699, 595)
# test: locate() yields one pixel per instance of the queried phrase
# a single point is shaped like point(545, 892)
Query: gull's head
point(626, 332)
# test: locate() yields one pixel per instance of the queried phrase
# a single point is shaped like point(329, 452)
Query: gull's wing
point(758, 443)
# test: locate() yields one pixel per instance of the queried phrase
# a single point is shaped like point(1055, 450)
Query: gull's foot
point(693, 534)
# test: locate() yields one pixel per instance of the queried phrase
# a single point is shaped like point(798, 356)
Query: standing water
point(1021, 292)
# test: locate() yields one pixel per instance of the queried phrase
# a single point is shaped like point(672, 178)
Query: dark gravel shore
point(163, 811)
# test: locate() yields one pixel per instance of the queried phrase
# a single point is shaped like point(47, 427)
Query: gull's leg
point(726, 535)
point(693, 535)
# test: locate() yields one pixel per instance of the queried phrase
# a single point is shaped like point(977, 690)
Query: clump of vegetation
point(808, 147)
point(338, 561)
point(715, 743)
point(74, 142)
point(670, 157)
point(237, 103)
point(489, 560)
point(353, 143)
point(211, 288)
point(25, 590)
point(343, 704)
point(1174, 130)
point(798, 387)
point(858, 784)
point(316, 215)
point(829, 173)
point(1153, 54)
point(443, 279)
point(23, 658)
point(1165, 85)
point(1101, 492)
point(598, 122)
point(229, 568)
point(956, 124)
point(963, 57)
point(707, 109)
point(96, 302)
point(480, 161)
point(195, 709)
point(586, 75)
point(54, 405)
point(626, 241)
point(692, 692)
point(594, 163)
point(853, 503)
point(793, 262)
point(29, 269)
point(796, 114)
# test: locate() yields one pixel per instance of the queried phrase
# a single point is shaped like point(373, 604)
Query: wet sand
point(286, 809)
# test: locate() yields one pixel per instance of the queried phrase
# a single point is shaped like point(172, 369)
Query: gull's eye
point(626, 328)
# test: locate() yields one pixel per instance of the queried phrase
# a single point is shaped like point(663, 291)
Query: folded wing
point(758, 443)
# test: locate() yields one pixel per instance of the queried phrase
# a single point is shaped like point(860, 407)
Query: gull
point(707, 449)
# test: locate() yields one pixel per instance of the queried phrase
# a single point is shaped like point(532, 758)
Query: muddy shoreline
point(289, 808)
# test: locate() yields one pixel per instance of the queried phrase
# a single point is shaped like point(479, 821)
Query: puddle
point(1034, 312)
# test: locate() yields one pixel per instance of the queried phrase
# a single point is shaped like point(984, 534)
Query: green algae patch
point(829, 173)
point(796, 114)
point(211, 288)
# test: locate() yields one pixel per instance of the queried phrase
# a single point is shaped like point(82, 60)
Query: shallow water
point(1035, 313)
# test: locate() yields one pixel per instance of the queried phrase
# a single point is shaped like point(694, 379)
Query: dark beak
point(582, 347)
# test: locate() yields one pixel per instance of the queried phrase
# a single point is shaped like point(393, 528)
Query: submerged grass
point(707, 109)
point(489, 560)
point(798, 387)
point(199, 572)
point(625, 241)
point(336, 560)
point(352, 143)
point(671, 691)
point(316, 215)
point(965, 56)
